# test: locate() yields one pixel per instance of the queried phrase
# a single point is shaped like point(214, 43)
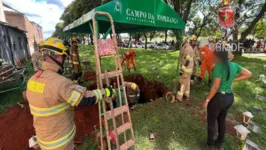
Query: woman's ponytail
point(223, 56)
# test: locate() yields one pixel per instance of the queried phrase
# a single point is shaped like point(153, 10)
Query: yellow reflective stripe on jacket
point(184, 68)
point(189, 58)
point(46, 112)
point(74, 98)
point(98, 95)
point(36, 87)
point(59, 142)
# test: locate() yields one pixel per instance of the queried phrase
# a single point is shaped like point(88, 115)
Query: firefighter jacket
point(74, 60)
point(187, 59)
point(51, 99)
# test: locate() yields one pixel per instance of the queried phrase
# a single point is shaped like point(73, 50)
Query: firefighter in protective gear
point(52, 97)
point(206, 53)
point(37, 57)
point(74, 60)
point(186, 70)
point(129, 57)
point(197, 61)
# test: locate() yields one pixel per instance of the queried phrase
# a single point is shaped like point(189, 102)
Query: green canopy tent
point(131, 16)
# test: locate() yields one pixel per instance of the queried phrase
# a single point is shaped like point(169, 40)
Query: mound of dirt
point(16, 126)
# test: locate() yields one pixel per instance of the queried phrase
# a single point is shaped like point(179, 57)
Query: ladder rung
point(127, 145)
point(123, 128)
point(117, 111)
point(112, 74)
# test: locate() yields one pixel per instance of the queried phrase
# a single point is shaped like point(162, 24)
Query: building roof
point(8, 8)
point(14, 28)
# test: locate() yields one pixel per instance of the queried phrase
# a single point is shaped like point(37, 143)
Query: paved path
point(255, 54)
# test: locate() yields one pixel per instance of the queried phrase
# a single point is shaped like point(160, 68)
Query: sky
point(46, 13)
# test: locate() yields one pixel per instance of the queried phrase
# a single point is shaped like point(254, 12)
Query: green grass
point(176, 126)
point(164, 118)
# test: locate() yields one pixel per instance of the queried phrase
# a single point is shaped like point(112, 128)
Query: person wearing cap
point(186, 69)
point(197, 61)
point(206, 53)
point(37, 57)
point(74, 60)
point(52, 98)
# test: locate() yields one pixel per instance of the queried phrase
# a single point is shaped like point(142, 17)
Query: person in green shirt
point(221, 97)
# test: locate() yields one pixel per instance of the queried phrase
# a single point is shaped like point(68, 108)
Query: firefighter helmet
point(74, 39)
point(184, 40)
point(193, 38)
point(40, 44)
point(224, 42)
point(56, 46)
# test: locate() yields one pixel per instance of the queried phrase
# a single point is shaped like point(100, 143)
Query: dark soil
point(16, 125)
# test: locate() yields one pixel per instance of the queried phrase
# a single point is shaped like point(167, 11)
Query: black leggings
point(217, 110)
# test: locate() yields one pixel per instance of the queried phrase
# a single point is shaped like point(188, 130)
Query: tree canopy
point(200, 16)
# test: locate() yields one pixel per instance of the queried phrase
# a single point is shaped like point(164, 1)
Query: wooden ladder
point(117, 137)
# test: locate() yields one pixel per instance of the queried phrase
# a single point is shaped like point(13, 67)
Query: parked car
point(121, 44)
point(161, 46)
point(138, 45)
point(150, 45)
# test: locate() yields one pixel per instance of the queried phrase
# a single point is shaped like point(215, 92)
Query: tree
point(78, 8)
point(260, 29)
point(59, 30)
point(252, 16)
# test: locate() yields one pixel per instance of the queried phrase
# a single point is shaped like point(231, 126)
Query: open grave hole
point(149, 90)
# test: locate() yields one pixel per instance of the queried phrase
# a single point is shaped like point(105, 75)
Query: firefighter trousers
point(183, 87)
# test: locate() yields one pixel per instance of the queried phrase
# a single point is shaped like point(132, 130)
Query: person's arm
point(213, 91)
point(216, 84)
point(244, 74)
point(188, 59)
point(77, 95)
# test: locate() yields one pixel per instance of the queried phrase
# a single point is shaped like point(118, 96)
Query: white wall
point(2, 15)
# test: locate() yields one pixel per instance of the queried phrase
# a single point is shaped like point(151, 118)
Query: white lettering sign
point(167, 19)
point(142, 16)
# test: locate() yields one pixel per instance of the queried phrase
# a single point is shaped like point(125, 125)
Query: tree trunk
point(146, 40)
point(253, 23)
point(152, 35)
point(165, 36)
point(91, 37)
point(129, 41)
point(187, 12)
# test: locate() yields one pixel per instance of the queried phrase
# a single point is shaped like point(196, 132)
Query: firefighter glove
point(109, 91)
